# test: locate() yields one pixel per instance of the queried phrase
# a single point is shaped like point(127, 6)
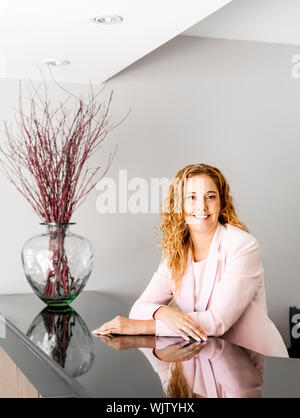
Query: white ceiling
point(32, 31)
point(276, 21)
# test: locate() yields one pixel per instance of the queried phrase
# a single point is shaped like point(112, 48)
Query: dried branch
point(46, 152)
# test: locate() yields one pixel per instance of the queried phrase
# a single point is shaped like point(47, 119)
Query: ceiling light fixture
point(57, 63)
point(107, 20)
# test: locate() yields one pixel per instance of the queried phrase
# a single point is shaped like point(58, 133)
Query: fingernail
point(94, 332)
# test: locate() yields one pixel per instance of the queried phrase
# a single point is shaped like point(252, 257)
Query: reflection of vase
point(63, 336)
point(57, 264)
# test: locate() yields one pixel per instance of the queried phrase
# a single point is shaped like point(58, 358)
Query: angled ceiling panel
point(275, 21)
point(32, 31)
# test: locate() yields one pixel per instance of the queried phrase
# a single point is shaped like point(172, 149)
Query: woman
point(212, 267)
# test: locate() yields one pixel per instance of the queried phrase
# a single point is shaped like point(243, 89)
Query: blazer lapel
point(211, 267)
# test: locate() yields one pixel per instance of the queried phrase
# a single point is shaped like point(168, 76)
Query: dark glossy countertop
point(61, 358)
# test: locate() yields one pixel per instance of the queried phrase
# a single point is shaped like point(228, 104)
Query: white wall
point(231, 104)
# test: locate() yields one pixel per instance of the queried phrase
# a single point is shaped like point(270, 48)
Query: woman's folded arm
point(244, 272)
point(158, 293)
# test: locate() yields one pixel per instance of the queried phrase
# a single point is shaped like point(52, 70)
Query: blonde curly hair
point(177, 385)
point(176, 240)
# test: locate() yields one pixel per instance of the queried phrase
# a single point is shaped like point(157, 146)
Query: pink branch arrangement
point(45, 157)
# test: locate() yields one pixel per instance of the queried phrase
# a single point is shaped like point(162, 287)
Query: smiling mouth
point(201, 216)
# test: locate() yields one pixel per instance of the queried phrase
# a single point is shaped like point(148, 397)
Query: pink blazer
point(220, 370)
point(232, 300)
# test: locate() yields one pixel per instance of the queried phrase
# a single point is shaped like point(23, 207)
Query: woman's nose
point(200, 204)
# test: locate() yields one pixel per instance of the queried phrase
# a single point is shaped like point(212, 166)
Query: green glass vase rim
point(57, 223)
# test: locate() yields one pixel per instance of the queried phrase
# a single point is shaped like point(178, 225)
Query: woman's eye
point(193, 197)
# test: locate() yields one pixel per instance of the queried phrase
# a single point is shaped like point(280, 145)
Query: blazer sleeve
point(232, 294)
point(158, 293)
point(235, 291)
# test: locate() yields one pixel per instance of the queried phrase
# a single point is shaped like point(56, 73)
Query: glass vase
point(57, 264)
point(63, 336)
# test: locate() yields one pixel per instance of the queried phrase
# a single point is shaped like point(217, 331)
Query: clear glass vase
point(57, 264)
point(63, 336)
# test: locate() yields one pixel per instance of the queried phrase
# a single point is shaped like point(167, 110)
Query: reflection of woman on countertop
point(211, 266)
point(213, 369)
point(218, 369)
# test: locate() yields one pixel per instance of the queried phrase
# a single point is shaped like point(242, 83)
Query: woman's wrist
point(143, 341)
point(158, 312)
point(148, 327)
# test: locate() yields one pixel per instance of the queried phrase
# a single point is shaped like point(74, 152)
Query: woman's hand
point(122, 325)
point(179, 352)
point(125, 342)
point(180, 322)
point(120, 342)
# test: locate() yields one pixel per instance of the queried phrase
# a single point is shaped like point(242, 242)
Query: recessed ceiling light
point(57, 63)
point(107, 20)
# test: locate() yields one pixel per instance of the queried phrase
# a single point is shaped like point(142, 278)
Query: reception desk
point(53, 354)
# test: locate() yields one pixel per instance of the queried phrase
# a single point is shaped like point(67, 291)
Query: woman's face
point(202, 203)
